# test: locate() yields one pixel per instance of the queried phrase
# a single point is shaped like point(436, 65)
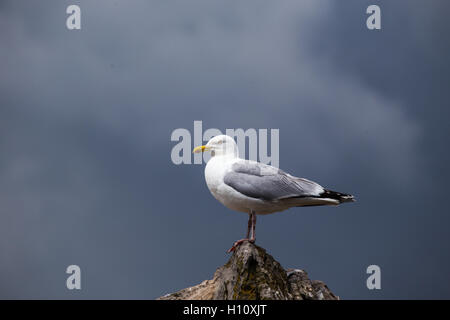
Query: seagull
point(256, 188)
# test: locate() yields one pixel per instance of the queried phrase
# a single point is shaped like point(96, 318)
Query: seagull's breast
point(215, 171)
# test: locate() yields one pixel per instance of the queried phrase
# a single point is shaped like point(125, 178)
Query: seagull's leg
point(250, 226)
point(253, 238)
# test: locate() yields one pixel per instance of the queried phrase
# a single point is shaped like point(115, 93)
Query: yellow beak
point(201, 149)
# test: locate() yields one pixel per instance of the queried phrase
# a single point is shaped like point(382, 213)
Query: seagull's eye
point(220, 142)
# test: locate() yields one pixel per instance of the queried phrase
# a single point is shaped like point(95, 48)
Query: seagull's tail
point(341, 197)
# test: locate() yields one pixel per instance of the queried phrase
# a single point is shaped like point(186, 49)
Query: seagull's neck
point(227, 156)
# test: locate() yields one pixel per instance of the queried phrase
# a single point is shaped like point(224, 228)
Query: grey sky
point(86, 118)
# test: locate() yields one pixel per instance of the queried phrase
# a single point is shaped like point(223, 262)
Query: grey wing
point(257, 180)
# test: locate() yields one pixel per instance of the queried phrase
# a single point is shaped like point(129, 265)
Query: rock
point(253, 274)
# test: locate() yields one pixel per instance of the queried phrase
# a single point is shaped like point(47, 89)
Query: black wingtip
point(341, 197)
point(349, 198)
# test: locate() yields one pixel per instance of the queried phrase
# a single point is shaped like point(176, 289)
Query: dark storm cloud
point(86, 118)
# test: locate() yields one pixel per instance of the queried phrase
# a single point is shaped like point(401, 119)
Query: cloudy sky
point(86, 117)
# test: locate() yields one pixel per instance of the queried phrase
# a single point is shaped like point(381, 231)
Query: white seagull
point(256, 188)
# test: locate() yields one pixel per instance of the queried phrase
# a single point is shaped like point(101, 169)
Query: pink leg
point(251, 226)
point(253, 238)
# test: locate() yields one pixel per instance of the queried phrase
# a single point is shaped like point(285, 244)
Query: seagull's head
point(219, 146)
